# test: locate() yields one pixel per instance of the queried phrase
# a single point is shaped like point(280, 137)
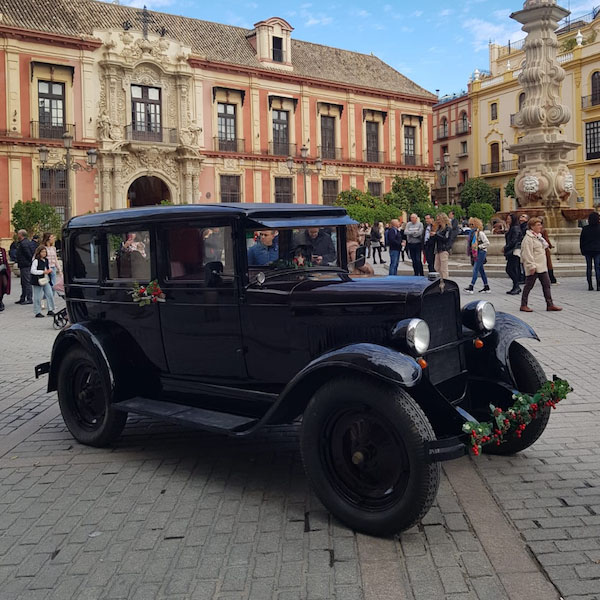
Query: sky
point(437, 45)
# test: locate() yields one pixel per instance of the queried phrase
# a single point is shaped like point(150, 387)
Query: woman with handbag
point(4, 277)
point(40, 282)
point(48, 240)
point(512, 252)
point(478, 245)
point(443, 232)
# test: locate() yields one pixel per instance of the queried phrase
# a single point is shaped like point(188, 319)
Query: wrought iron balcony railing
point(282, 149)
point(234, 145)
point(462, 128)
point(164, 135)
point(48, 131)
point(500, 166)
point(374, 156)
point(442, 133)
point(412, 160)
point(330, 153)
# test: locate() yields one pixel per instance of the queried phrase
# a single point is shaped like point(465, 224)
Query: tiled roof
point(216, 42)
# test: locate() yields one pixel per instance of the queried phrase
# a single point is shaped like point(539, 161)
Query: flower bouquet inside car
point(147, 294)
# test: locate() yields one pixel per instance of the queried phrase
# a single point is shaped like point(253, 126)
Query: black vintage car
point(255, 320)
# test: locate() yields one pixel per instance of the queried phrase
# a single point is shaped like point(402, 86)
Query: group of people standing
point(39, 270)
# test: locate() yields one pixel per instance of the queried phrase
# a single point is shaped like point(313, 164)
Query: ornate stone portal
point(544, 183)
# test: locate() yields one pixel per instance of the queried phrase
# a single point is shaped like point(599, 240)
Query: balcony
point(47, 131)
point(589, 101)
point(462, 128)
point(412, 160)
point(282, 149)
point(329, 153)
point(442, 133)
point(233, 145)
point(373, 156)
point(162, 135)
point(500, 167)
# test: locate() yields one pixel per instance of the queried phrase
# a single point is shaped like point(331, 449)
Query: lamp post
point(304, 167)
point(68, 164)
point(444, 170)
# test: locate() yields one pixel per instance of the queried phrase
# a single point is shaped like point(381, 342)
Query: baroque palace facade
point(191, 111)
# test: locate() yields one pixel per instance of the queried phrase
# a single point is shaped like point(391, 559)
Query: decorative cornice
point(286, 76)
point(52, 39)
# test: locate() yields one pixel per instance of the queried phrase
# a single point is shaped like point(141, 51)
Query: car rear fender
point(373, 360)
point(117, 356)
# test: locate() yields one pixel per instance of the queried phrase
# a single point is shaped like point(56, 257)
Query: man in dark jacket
point(429, 243)
point(25, 251)
point(323, 250)
point(395, 244)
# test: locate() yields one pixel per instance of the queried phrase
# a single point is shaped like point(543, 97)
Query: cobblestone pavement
point(170, 513)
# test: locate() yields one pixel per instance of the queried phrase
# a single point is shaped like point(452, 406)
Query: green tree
point(366, 208)
point(35, 217)
point(459, 211)
point(509, 188)
point(483, 211)
point(423, 208)
point(476, 190)
point(407, 191)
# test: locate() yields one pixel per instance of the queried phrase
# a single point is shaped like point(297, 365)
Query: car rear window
point(86, 257)
point(129, 255)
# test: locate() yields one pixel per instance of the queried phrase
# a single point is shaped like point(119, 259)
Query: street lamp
point(445, 170)
point(68, 164)
point(304, 167)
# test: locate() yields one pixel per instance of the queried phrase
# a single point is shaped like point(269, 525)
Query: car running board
point(201, 418)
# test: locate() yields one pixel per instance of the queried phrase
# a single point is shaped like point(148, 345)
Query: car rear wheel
point(529, 377)
point(364, 451)
point(84, 400)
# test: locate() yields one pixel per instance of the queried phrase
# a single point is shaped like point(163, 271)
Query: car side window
point(86, 257)
point(129, 255)
point(201, 254)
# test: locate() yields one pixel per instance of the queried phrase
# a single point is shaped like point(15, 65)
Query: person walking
point(24, 255)
point(4, 277)
point(395, 245)
point(376, 243)
point(533, 257)
point(523, 220)
point(413, 233)
point(48, 240)
point(477, 248)
point(512, 252)
point(429, 243)
point(442, 243)
point(548, 255)
point(40, 280)
point(589, 244)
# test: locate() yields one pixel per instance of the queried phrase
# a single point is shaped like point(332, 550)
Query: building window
point(230, 188)
point(51, 109)
point(372, 151)
point(444, 150)
point(226, 127)
point(374, 188)
point(521, 100)
point(327, 137)
point(464, 176)
point(277, 49)
point(463, 124)
point(330, 191)
point(494, 111)
point(146, 113)
point(53, 190)
point(592, 140)
point(283, 190)
point(596, 88)
point(463, 148)
point(281, 139)
point(495, 157)
point(443, 131)
point(409, 145)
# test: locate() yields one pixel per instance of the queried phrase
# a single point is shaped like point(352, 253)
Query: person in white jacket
point(477, 249)
point(40, 272)
point(533, 257)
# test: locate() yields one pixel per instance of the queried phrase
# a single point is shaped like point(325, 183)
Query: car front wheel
point(84, 400)
point(364, 451)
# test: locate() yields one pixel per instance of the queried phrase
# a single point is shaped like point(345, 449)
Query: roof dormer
point(273, 43)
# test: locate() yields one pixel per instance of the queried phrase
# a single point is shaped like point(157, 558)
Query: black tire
point(529, 377)
point(363, 447)
point(85, 401)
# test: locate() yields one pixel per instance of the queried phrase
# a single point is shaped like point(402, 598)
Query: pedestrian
point(429, 243)
point(376, 243)
point(413, 232)
point(367, 233)
point(512, 252)
point(443, 232)
point(12, 251)
point(403, 249)
point(533, 257)
point(477, 247)
point(24, 256)
point(395, 245)
point(548, 255)
point(48, 240)
point(454, 227)
point(356, 266)
point(523, 220)
point(40, 281)
point(4, 277)
point(589, 243)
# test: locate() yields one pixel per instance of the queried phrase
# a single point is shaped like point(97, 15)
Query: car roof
point(255, 212)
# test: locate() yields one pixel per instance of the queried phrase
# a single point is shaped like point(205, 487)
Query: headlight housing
point(413, 334)
point(479, 316)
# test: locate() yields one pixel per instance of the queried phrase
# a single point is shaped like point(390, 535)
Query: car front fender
point(370, 359)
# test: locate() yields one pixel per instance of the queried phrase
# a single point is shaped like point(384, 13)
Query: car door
point(200, 318)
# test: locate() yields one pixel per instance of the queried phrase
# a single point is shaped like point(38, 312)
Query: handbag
point(43, 280)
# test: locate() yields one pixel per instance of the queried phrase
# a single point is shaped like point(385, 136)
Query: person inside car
point(323, 250)
point(265, 250)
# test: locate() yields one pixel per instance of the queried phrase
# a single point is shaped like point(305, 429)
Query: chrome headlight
point(479, 316)
point(414, 334)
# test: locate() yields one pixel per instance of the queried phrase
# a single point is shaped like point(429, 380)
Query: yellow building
point(496, 96)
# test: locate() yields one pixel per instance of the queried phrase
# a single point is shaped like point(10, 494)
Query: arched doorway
point(146, 191)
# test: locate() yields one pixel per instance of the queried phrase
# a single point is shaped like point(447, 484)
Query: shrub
point(476, 190)
point(509, 188)
point(35, 217)
point(366, 208)
point(483, 211)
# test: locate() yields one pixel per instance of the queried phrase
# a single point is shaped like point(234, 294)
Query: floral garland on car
point(147, 294)
point(515, 419)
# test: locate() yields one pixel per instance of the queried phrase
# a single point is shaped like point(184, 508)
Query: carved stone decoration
point(375, 172)
point(531, 184)
point(330, 170)
point(282, 168)
point(230, 164)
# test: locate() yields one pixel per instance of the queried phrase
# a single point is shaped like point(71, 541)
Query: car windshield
point(292, 248)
